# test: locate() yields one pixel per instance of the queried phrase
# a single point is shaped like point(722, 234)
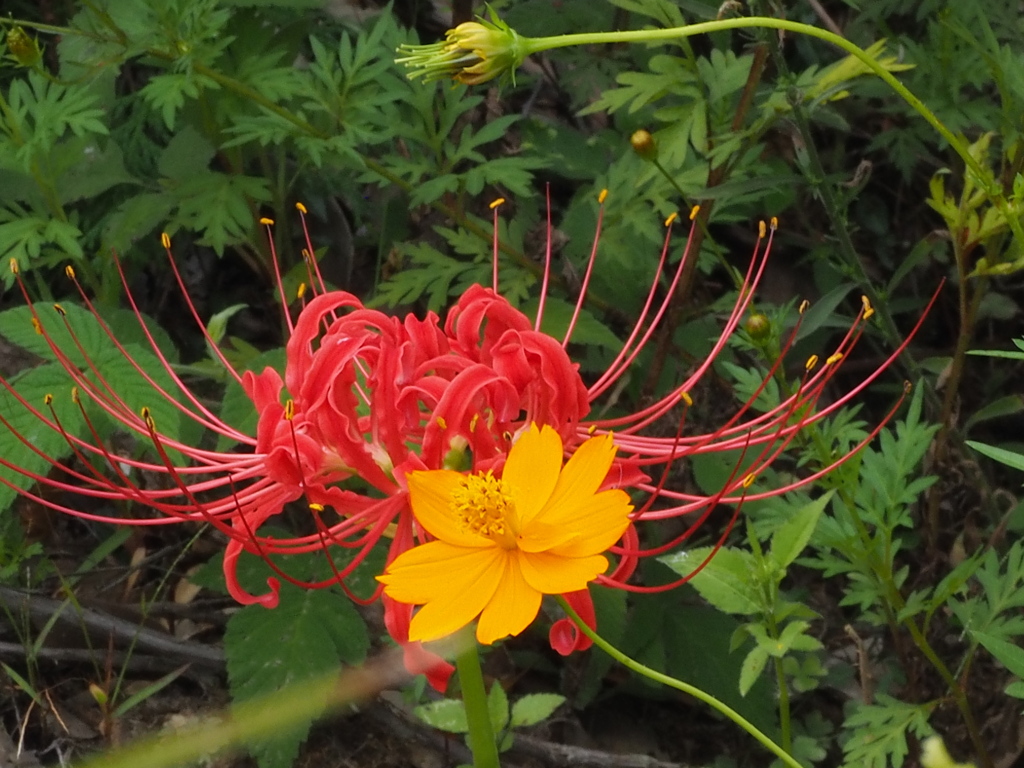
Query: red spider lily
point(368, 397)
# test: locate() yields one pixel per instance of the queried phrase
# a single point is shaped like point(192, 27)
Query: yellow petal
point(532, 470)
point(513, 607)
point(435, 570)
point(582, 475)
point(598, 524)
point(430, 494)
point(555, 575)
point(458, 607)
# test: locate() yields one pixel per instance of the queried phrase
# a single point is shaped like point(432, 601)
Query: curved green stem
point(679, 685)
point(538, 44)
point(474, 696)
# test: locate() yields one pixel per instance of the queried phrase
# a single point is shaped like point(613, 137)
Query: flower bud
point(644, 144)
point(758, 326)
point(472, 53)
point(24, 49)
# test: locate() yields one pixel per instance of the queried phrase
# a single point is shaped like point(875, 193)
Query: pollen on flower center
point(483, 504)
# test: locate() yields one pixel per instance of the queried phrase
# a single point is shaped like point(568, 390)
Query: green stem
point(537, 44)
point(474, 695)
point(679, 685)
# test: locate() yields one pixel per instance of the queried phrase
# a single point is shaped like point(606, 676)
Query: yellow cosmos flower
point(502, 543)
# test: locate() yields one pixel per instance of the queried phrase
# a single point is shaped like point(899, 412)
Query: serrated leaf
point(535, 708)
point(789, 540)
point(309, 634)
point(752, 667)
point(727, 581)
point(33, 385)
point(448, 715)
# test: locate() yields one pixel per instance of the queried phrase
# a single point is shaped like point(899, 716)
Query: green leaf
point(791, 538)
point(822, 313)
point(727, 581)
point(535, 708)
point(155, 687)
point(97, 171)
point(188, 153)
point(1010, 655)
point(497, 707)
point(753, 666)
point(37, 441)
point(309, 634)
point(447, 715)
point(219, 206)
point(236, 409)
point(1003, 456)
point(878, 732)
point(588, 329)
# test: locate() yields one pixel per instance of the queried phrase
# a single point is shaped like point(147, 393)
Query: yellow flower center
point(483, 504)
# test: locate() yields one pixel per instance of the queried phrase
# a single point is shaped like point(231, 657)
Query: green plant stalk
point(534, 45)
point(895, 604)
point(679, 685)
point(474, 695)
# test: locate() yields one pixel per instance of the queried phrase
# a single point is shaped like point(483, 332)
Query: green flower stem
point(474, 695)
point(537, 44)
point(679, 685)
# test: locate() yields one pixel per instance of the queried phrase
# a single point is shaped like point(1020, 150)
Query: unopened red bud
point(644, 144)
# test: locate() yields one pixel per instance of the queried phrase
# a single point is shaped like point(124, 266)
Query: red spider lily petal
point(564, 636)
point(370, 396)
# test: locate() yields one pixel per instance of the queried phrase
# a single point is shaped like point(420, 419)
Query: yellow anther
point(60, 310)
point(442, 423)
point(300, 291)
point(74, 394)
point(47, 398)
point(804, 306)
point(473, 421)
point(148, 418)
point(672, 217)
point(314, 507)
point(762, 230)
point(694, 211)
point(301, 208)
point(592, 429)
point(868, 309)
point(14, 266)
point(306, 255)
point(685, 397)
point(774, 223)
point(907, 387)
point(507, 436)
point(70, 272)
point(497, 202)
point(37, 326)
point(749, 480)
point(603, 196)
point(165, 239)
point(266, 222)
point(833, 359)
point(289, 409)
point(811, 362)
